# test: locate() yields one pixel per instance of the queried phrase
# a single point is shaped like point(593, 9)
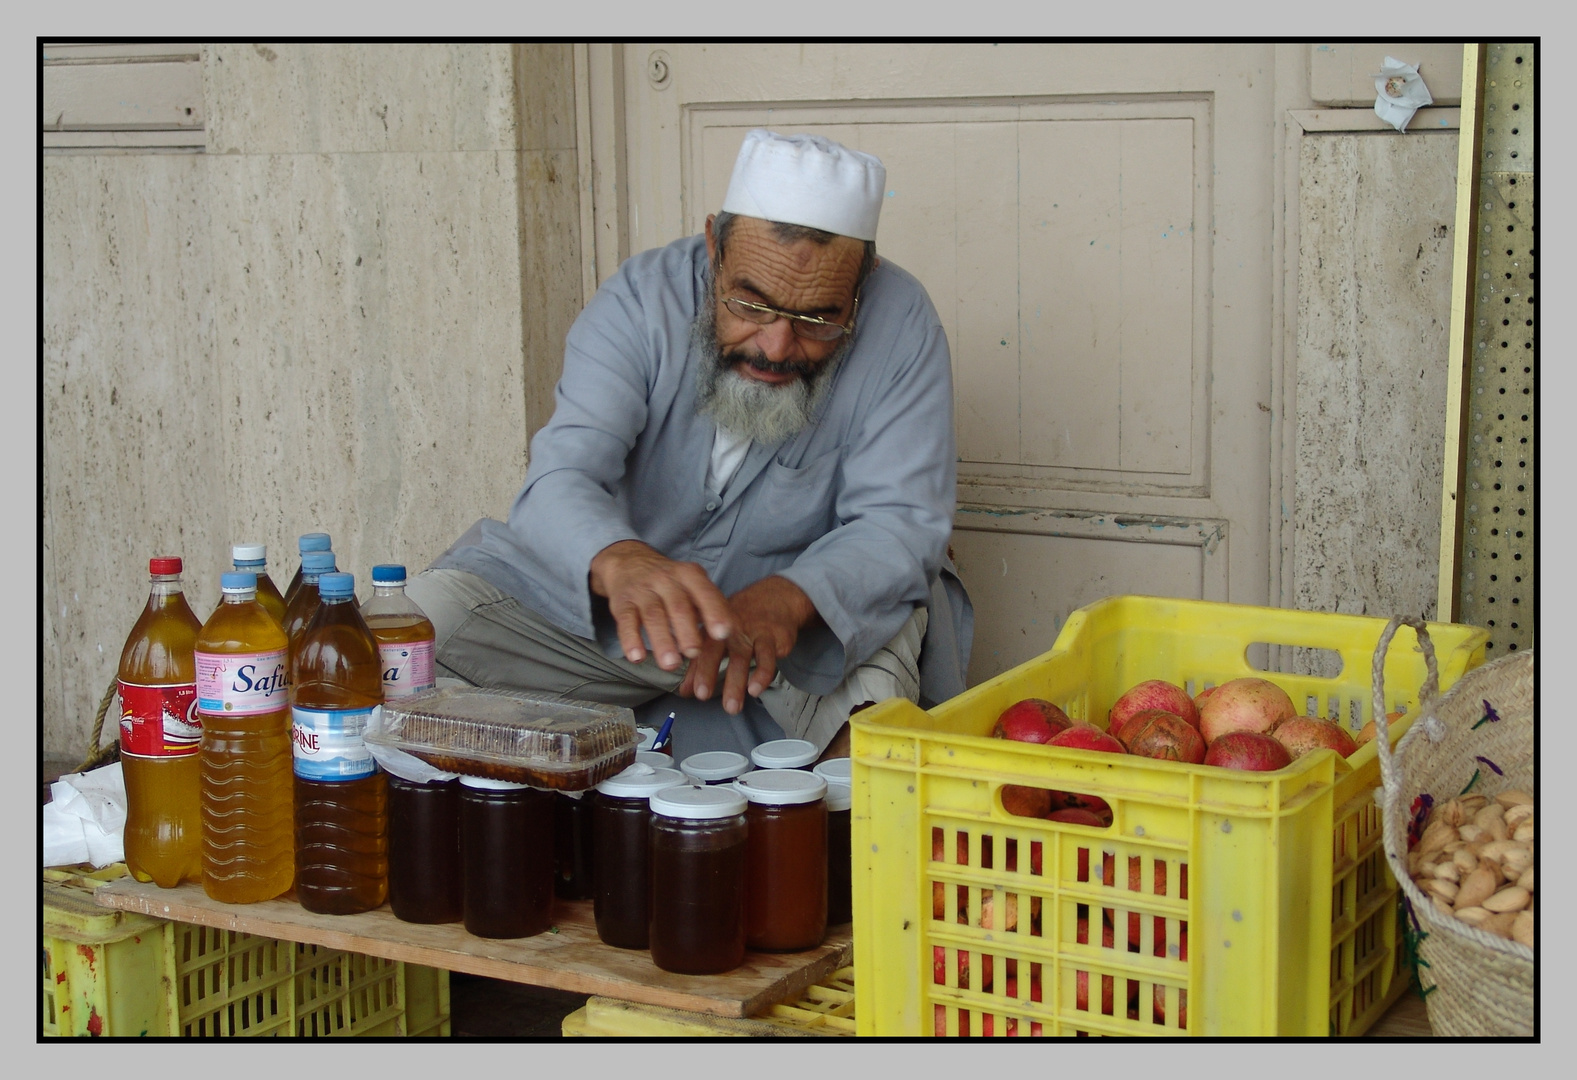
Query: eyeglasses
point(805, 326)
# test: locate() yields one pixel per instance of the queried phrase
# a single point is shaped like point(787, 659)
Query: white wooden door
point(1094, 224)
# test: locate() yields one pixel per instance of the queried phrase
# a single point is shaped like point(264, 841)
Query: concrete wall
point(1374, 311)
point(319, 324)
point(348, 315)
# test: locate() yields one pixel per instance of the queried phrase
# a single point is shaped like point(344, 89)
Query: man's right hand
point(669, 600)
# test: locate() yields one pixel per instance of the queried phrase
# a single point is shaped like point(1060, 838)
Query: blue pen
point(662, 735)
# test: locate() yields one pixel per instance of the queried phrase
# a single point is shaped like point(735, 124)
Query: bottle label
point(327, 744)
point(242, 684)
point(159, 721)
point(407, 668)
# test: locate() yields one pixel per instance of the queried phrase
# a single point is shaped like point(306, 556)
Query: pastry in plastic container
point(509, 735)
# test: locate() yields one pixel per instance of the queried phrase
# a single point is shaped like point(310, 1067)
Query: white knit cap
point(807, 180)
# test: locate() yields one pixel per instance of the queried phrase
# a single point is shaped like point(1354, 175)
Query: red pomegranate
point(1247, 704)
point(1083, 736)
point(1249, 751)
point(1304, 734)
point(1033, 720)
point(1151, 694)
point(1163, 736)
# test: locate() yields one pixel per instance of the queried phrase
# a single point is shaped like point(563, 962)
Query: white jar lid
point(697, 803)
point(839, 796)
point(834, 770)
point(640, 781)
point(488, 784)
point(654, 758)
point(783, 754)
point(781, 787)
point(715, 765)
point(648, 737)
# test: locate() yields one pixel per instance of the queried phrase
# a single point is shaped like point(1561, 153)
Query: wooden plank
point(572, 959)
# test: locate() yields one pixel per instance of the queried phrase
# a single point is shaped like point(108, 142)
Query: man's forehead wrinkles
point(743, 282)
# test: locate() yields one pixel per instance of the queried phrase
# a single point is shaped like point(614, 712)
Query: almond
point(1525, 881)
point(1451, 812)
point(1465, 861)
point(1473, 832)
point(1523, 831)
point(1511, 898)
point(1517, 858)
point(1446, 890)
point(1476, 888)
point(1436, 836)
point(1474, 803)
point(1473, 916)
point(1447, 871)
point(1516, 815)
point(1514, 797)
point(1522, 928)
point(1442, 906)
point(1496, 849)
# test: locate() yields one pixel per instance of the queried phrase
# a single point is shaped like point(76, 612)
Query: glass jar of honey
point(784, 754)
point(621, 872)
point(424, 850)
point(715, 767)
point(785, 859)
point(506, 846)
point(697, 849)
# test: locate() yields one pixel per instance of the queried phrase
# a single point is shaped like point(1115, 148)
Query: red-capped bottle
point(160, 734)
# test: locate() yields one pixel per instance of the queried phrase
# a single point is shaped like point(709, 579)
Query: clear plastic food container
point(509, 735)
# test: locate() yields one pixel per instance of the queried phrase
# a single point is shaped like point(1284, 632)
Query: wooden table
point(573, 958)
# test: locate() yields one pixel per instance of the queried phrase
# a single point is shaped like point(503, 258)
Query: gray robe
point(856, 509)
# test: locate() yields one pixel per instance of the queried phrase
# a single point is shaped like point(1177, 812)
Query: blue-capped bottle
point(299, 611)
point(312, 541)
point(405, 634)
point(336, 685)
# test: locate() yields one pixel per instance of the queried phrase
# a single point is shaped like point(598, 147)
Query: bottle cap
point(781, 787)
point(337, 586)
point(249, 553)
point(484, 783)
point(834, 770)
point(315, 542)
point(839, 796)
point(164, 564)
point(238, 581)
point(317, 562)
point(640, 782)
point(388, 574)
point(697, 803)
point(783, 754)
point(715, 765)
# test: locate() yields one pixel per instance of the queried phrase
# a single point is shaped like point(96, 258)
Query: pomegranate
point(1079, 817)
point(1033, 720)
point(1151, 694)
point(1303, 734)
point(1082, 736)
point(1164, 736)
point(1247, 704)
point(1073, 800)
point(1025, 801)
point(1249, 751)
point(1200, 698)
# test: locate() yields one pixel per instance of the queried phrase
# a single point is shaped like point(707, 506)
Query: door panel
point(1093, 224)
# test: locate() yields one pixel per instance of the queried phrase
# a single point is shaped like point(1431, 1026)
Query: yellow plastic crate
point(1238, 903)
point(826, 1009)
point(118, 973)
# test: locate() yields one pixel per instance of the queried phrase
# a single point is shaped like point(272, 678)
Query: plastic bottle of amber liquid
point(246, 789)
point(159, 734)
point(342, 835)
point(301, 606)
point(404, 632)
point(254, 558)
point(309, 542)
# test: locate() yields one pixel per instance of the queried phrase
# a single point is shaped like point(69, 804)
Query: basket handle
point(1390, 764)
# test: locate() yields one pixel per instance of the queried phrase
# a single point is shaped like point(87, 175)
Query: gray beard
point(749, 407)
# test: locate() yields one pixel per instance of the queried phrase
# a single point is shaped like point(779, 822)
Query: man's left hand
point(768, 617)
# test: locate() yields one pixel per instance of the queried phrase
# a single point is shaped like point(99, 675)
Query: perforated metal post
point(1487, 561)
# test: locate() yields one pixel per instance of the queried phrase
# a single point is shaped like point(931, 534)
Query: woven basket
point(1482, 984)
